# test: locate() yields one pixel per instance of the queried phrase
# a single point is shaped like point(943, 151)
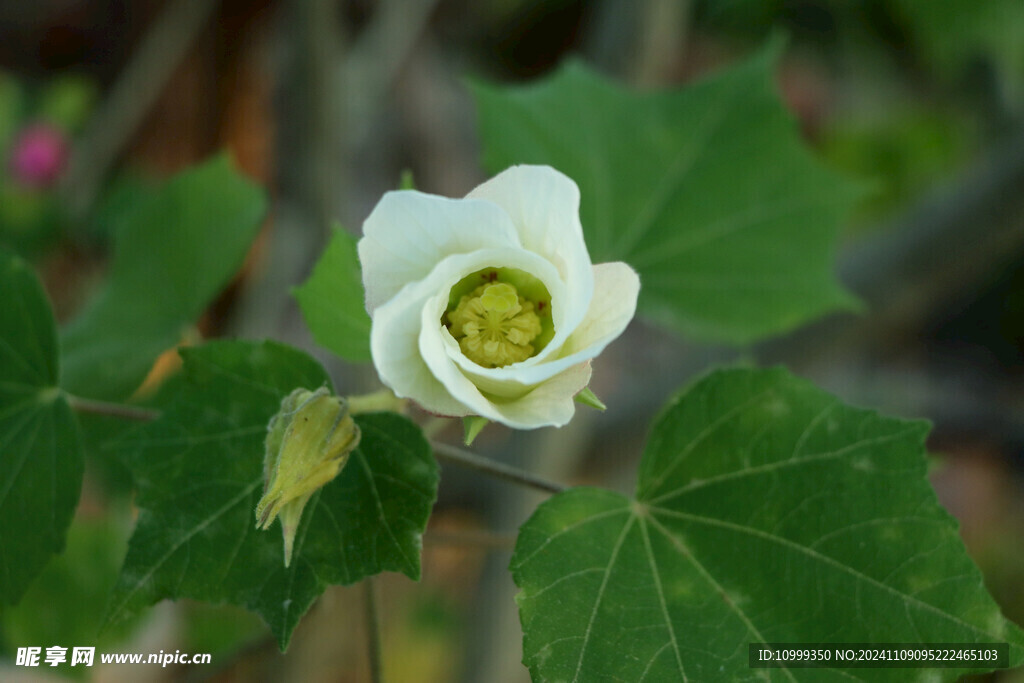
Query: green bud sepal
point(308, 442)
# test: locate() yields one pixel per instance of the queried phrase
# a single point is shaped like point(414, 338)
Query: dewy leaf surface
point(175, 251)
point(199, 470)
point(333, 302)
point(707, 191)
point(766, 511)
point(40, 449)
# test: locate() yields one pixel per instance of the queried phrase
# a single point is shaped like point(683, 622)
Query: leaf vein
point(685, 551)
point(661, 598)
point(247, 491)
point(600, 594)
point(824, 559)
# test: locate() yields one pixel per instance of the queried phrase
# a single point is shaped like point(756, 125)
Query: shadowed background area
point(327, 102)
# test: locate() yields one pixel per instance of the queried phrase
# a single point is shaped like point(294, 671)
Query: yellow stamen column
point(494, 325)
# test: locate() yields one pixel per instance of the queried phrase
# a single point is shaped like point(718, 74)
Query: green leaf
point(953, 34)
point(176, 249)
point(707, 192)
point(40, 450)
point(62, 604)
point(766, 511)
point(333, 302)
point(199, 470)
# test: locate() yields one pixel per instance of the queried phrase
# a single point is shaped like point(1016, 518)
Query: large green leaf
point(766, 511)
point(40, 452)
point(706, 191)
point(175, 250)
point(199, 470)
point(333, 302)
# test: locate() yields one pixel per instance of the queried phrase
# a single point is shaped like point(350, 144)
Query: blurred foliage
point(40, 448)
point(423, 639)
point(707, 191)
point(952, 34)
point(62, 604)
point(917, 84)
point(176, 249)
point(31, 219)
point(332, 300)
point(218, 629)
point(898, 153)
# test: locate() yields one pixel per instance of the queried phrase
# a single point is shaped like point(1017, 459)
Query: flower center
point(494, 324)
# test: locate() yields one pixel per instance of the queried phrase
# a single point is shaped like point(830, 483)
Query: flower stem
point(126, 412)
point(373, 640)
point(377, 401)
point(465, 458)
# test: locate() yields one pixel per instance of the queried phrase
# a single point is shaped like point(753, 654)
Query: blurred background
point(327, 102)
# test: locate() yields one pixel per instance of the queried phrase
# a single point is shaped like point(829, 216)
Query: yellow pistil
point(494, 325)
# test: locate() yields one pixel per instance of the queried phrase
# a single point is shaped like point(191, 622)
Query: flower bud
point(308, 442)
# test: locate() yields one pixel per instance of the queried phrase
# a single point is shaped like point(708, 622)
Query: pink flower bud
point(38, 155)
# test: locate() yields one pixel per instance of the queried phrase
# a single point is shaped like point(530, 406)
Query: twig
point(87, 405)
point(141, 81)
point(373, 630)
point(377, 57)
point(473, 461)
point(310, 177)
point(661, 42)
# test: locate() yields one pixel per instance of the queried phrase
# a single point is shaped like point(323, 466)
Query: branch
point(140, 83)
point(376, 58)
point(473, 461)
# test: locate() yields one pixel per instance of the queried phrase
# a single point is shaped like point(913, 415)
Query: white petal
point(616, 287)
point(396, 355)
point(397, 324)
point(549, 404)
point(545, 208)
point(408, 233)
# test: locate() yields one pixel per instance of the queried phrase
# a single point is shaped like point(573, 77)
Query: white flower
point(489, 305)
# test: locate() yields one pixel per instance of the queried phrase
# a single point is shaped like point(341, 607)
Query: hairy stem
point(459, 456)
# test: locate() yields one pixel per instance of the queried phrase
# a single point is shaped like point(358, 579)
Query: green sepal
point(472, 424)
point(589, 398)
